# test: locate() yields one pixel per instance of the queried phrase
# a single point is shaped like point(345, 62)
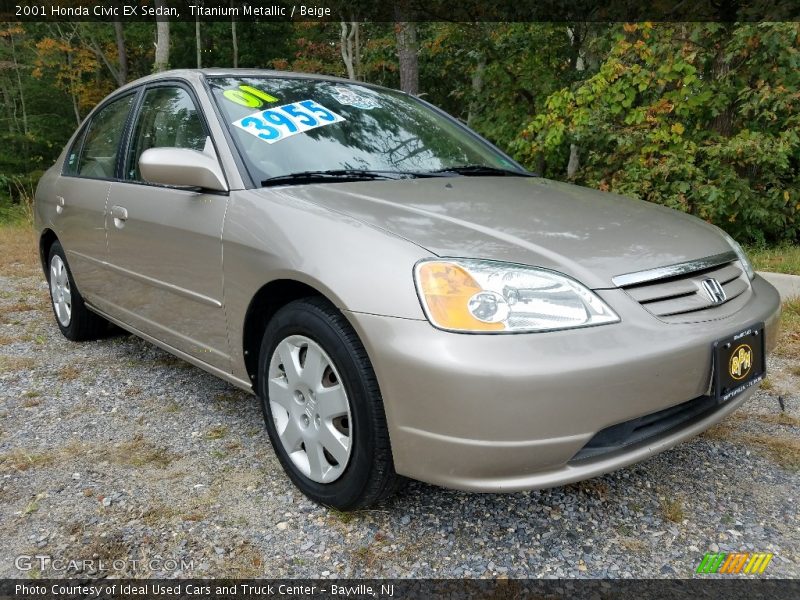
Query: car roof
point(196, 75)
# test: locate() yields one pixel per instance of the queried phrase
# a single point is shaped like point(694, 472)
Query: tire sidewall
point(68, 331)
point(308, 320)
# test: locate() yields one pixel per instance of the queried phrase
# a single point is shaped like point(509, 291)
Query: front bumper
point(509, 412)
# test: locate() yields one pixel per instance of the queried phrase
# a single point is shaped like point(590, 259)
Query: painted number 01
point(249, 96)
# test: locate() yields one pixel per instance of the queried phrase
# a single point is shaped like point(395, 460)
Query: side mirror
point(181, 166)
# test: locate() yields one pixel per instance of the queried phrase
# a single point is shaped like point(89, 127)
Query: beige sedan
point(404, 298)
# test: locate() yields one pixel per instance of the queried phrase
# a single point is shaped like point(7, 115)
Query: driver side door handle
point(120, 215)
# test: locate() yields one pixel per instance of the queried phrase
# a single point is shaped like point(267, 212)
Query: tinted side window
point(168, 118)
point(71, 162)
point(98, 158)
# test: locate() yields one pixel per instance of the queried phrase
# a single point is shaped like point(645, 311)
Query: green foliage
point(699, 117)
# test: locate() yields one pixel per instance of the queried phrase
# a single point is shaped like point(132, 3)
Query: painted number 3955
point(280, 122)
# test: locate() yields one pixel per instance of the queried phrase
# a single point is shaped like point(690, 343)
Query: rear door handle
point(60, 202)
point(120, 214)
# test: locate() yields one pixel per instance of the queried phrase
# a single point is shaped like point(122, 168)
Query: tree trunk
point(13, 122)
point(162, 41)
point(408, 56)
point(720, 69)
point(198, 45)
point(122, 73)
point(75, 106)
point(574, 161)
point(357, 49)
point(576, 40)
point(346, 44)
point(19, 85)
point(234, 41)
point(85, 36)
point(477, 89)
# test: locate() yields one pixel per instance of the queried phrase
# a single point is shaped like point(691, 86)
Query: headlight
point(483, 296)
point(746, 264)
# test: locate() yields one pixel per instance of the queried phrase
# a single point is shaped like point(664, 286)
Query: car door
point(165, 243)
point(82, 192)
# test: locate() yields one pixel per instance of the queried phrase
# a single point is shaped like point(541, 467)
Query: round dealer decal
point(741, 362)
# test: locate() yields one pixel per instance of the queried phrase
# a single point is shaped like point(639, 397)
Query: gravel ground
point(116, 450)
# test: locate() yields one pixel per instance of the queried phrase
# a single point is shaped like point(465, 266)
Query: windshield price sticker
point(276, 124)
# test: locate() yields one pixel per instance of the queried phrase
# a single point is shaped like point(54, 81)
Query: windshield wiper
point(484, 171)
point(302, 177)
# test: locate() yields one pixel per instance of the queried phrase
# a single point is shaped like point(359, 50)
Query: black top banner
point(404, 10)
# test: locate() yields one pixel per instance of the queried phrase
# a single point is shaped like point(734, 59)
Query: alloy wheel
point(60, 291)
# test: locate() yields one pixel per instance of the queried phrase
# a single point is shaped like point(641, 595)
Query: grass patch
point(158, 514)
point(776, 419)
point(591, 487)
point(632, 544)
point(785, 451)
point(171, 407)
point(365, 556)
point(20, 306)
point(672, 509)
point(138, 452)
point(217, 433)
point(20, 460)
point(14, 364)
point(20, 256)
point(342, 517)
point(789, 340)
point(69, 373)
point(779, 259)
point(246, 562)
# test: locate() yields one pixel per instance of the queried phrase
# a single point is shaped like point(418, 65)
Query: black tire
point(83, 324)
point(369, 475)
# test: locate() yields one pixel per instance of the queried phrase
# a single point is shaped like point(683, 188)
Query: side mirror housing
point(183, 167)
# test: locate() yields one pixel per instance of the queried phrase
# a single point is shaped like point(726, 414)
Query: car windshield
point(287, 126)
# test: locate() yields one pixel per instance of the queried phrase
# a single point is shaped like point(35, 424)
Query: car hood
point(587, 234)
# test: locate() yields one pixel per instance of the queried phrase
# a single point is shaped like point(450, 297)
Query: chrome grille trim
point(680, 297)
point(683, 268)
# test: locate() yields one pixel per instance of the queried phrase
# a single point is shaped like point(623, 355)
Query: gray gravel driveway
point(115, 450)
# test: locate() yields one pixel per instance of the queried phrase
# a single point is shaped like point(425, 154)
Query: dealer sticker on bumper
point(739, 362)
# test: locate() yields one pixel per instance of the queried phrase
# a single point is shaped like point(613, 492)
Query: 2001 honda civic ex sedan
point(404, 298)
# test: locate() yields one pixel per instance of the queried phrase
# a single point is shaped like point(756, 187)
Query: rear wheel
point(75, 321)
point(323, 408)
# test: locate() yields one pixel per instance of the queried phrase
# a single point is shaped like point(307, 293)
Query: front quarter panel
point(273, 236)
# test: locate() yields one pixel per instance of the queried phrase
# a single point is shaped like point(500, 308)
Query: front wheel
point(323, 408)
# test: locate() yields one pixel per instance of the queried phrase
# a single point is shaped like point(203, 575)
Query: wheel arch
point(267, 301)
point(46, 240)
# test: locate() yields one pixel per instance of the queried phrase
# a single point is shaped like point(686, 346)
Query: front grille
point(682, 297)
point(620, 436)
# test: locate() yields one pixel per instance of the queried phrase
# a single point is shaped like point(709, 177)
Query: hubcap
point(310, 408)
point(60, 291)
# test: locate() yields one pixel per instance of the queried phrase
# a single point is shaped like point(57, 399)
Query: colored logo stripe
point(751, 563)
